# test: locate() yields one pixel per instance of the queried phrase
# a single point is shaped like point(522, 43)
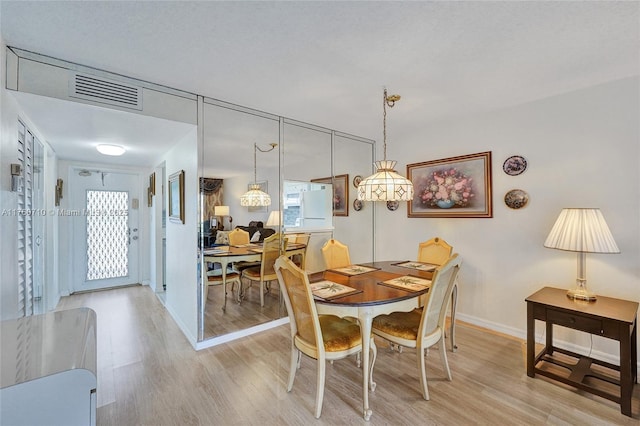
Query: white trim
point(208, 343)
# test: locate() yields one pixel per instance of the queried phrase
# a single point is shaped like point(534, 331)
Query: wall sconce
point(58, 192)
point(17, 181)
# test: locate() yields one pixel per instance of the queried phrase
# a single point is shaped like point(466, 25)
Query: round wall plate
point(356, 180)
point(357, 205)
point(514, 165)
point(516, 199)
point(393, 205)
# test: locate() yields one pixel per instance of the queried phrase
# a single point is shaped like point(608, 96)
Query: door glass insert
point(107, 234)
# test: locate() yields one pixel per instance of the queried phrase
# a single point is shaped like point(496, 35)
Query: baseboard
point(218, 340)
point(185, 330)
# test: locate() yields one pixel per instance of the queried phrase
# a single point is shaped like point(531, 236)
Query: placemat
point(407, 282)
point(353, 270)
point(419, 266)
point(328, 290)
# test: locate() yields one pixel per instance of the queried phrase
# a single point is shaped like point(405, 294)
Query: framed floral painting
point(452, 187)
point(340, 193)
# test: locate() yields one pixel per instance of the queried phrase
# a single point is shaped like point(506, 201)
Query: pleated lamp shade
point(581, 230)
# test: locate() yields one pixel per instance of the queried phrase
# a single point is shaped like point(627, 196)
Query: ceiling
point(323, 62)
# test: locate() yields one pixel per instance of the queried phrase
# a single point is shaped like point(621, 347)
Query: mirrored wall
point(310, 176)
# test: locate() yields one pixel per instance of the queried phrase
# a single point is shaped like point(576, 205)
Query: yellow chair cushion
point(402, 324)
point(253, 272)
point(338, 333)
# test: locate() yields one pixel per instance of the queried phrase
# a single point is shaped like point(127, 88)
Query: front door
point(106, 233)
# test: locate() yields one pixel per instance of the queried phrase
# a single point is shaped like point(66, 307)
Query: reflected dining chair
point(264, 273)
point(321, 337)
point(437, 251)
point(422, 330)
point(240, 237)
point(214, 277)
point(335, 254)
point(300, 259)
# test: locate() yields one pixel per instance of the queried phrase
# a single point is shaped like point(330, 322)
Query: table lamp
point(583, 231)
point(222, 211)
point(274, 219)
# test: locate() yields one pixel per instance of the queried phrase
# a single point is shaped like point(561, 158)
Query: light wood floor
point(150, 375)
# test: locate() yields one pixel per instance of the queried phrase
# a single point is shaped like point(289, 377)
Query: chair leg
point(293, 366)
point(374, 349)
point(320, 387)
point(454, 305)
point(423, 373)
point(261, 293)
point(443, 354)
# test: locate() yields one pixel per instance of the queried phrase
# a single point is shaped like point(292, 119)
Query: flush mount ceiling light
point(108, 149)
point(385, 184)
point(256, 197)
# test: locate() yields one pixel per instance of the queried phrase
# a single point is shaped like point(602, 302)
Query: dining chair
point(214, 277)
point(264, 273)
point(300, 259)
point(436, 251)
point(422, 330)
point(335, 254)
point(239, 237)
point(321, 337)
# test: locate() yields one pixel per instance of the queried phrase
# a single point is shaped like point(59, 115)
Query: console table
point(606, 317)
point(48, 369)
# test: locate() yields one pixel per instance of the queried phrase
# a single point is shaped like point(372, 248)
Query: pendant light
point(255, 197)
point(385, 184)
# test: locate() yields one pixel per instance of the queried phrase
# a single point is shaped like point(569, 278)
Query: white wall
point(583, 151)
point(182, 254)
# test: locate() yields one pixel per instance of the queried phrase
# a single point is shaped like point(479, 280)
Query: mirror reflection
point(309, 206)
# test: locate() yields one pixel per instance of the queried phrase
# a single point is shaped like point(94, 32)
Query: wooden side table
point(607, 317)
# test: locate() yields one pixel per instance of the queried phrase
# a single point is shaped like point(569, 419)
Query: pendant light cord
point(389, 101)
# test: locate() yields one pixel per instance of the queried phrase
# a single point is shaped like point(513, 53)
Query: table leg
point(224, 284)
point(531, 343)
point(626, 376)
point(366, 319)
point(549, 343)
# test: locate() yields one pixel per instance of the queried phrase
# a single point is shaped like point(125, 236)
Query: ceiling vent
point(105, 91)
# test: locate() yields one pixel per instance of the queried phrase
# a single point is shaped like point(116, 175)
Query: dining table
point(371, 297)
point(227, 255)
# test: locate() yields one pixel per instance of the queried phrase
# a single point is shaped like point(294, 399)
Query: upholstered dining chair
point(335, 254)
point(214, 277)
point(239, 237)
point(422, 330)
point(264, 273)
point(437, 251)
point(321, 337)
point(300, 259)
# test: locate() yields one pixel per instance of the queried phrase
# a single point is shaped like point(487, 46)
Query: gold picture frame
point(176, 197)
point(152, 183)
point(452, 187)
point(340, 193)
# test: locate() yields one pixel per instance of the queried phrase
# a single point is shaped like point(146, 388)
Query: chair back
point(435, 251)
point(335, 254)
point(444, 278)
point(298, 298)
point(270, 252)
point(238, 237)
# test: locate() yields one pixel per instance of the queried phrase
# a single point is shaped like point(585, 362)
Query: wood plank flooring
point(148, 374)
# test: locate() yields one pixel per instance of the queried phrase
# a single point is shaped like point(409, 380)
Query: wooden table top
point(606, 307)
point(372, 292)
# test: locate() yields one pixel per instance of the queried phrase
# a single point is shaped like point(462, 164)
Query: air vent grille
point(101, 90)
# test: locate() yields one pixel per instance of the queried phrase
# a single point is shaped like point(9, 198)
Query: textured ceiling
point(327, 62)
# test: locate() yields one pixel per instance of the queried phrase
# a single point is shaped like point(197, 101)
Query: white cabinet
point(49, 374)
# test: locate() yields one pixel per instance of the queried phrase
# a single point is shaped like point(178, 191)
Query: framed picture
point(176, 197)
point(340, 193)
point(149, 197)
point(452, 187)
point(152, 183)
point(264, 187)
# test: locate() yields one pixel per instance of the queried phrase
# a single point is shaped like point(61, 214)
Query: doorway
point(106, 229)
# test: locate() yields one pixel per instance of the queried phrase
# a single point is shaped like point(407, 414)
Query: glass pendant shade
point(385, 184)
point(255, 197)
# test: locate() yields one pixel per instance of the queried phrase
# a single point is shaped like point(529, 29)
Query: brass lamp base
point(581, 294)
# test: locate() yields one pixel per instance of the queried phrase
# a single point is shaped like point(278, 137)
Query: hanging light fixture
point(255, 197)
point(385, 184)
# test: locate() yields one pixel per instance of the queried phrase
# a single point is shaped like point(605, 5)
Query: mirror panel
point(305, 153)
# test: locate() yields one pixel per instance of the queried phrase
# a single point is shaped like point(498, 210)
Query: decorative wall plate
point(356, 180)
point(514, 165)
point(357, 205)
point(516, 199)
point(393, 205)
